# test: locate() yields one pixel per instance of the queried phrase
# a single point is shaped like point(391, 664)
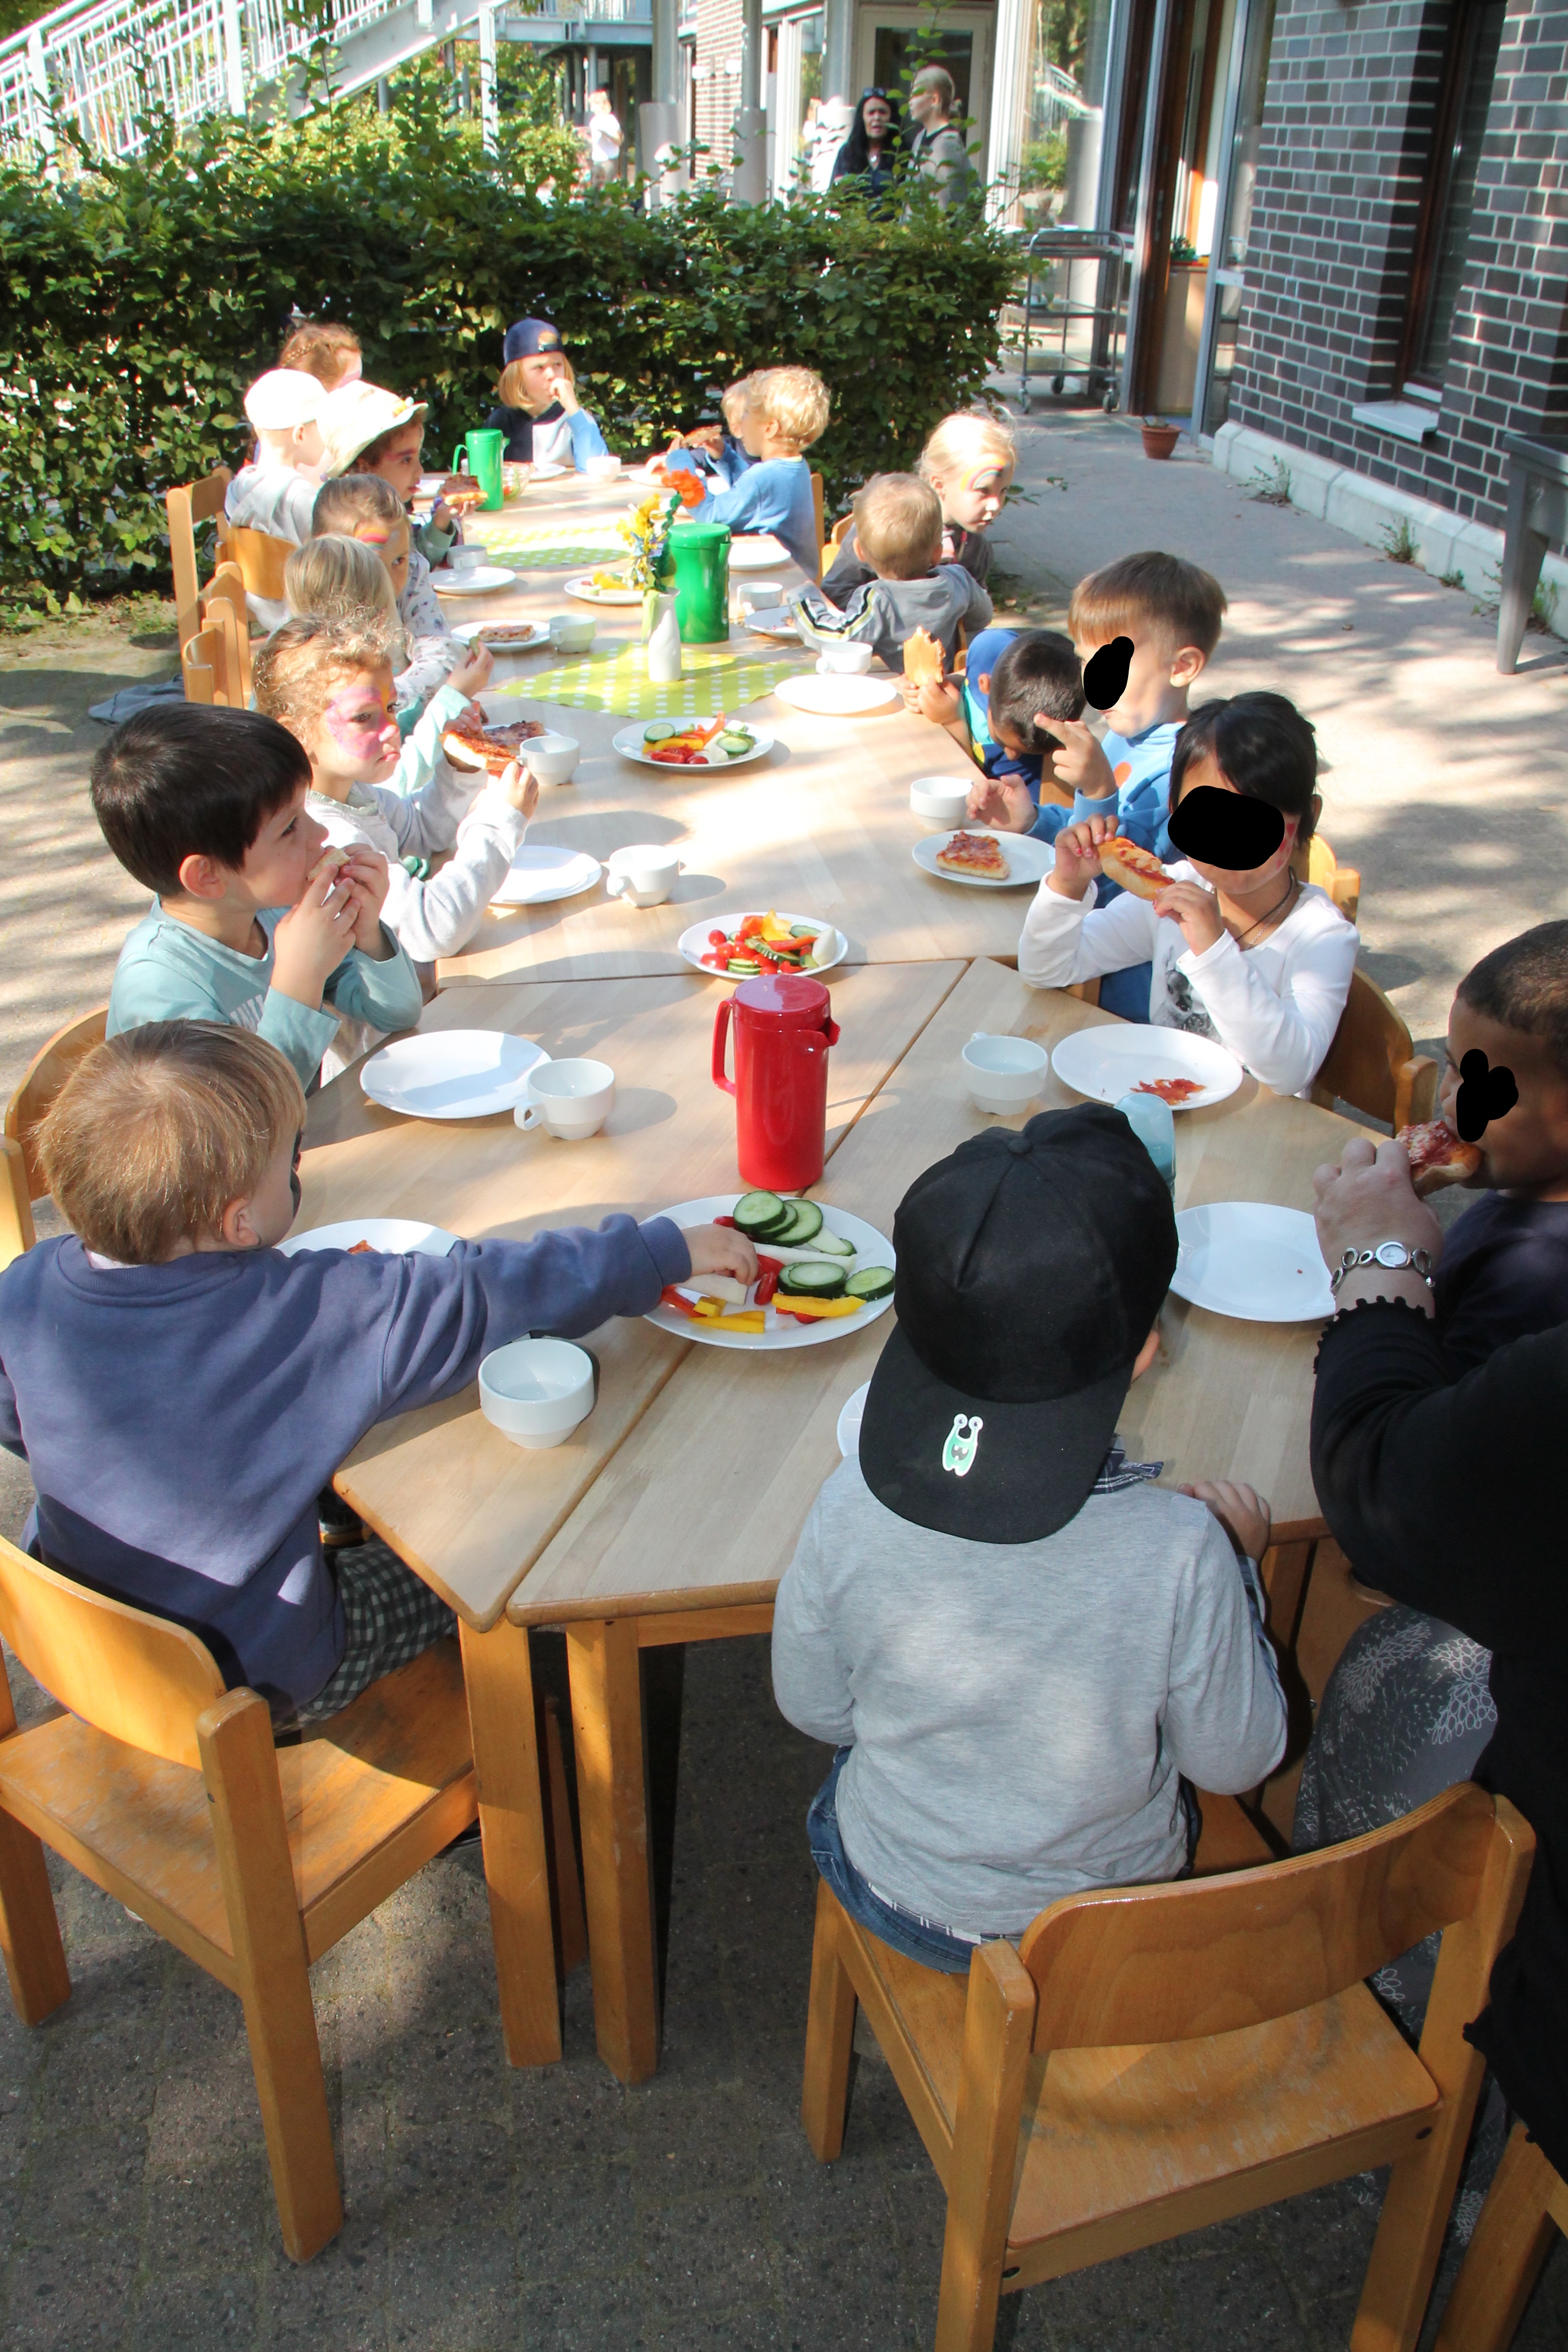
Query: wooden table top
point(465, 1508)
point(821, 827)
point(702, 1505)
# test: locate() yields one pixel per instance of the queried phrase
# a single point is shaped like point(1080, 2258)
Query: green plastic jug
point(483, 450)
point(701, 552)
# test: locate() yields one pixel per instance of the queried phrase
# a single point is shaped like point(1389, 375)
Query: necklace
point(1241, 938)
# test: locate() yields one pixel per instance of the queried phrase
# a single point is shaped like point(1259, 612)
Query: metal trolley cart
point(1071, 291)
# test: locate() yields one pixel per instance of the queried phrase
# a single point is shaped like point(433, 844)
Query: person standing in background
point(605, 139)
point(871, 155)
point(937, 150)
point(823, 138)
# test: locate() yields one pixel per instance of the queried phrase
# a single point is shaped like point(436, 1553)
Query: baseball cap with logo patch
point(528, 336)
point(1031, 1266)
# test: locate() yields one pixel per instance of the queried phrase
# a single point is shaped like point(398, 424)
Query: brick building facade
point(715, 84)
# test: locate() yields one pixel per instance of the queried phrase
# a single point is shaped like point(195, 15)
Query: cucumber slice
point(815, 1280)
point(743, 968)
point(804, 931)
point(735, 744)
point(761, 1212)
point(832, 1244)
point(870, 1281)
point(805, 1224)
point(659, 732)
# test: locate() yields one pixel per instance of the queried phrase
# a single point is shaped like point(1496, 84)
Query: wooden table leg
point(511, 1825)
point(611, 1797)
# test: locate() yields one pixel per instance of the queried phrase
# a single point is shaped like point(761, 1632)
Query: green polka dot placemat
point(714, 679)
point(569, 539)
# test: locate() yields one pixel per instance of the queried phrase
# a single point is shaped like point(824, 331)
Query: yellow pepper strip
point(752, 1321)
point(789, 1304)
point(708, 1307)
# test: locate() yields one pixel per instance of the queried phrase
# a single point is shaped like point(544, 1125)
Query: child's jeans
point(918, 1939)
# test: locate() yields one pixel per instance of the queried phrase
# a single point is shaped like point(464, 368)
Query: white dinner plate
point(586, 594)
point(1250, 1260)
point(481, 580)
point(778, 632)
point(838, 696)
point(538, 875)
point(1109, 1062)
point(872, 1248)
point(1028, 860)
point(693, 944)
point(629, 744)
point(849, 1421)
point(545, 469)
point(390, 1234)
point(538, 634)
point(452, 1073)
point(757, 551)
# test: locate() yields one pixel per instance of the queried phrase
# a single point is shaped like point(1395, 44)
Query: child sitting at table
point(276, 493)
point(544, 422)
point(363, 507)
point(717, 451)
point(968, 460)
point(1239, 950)
point(330, 684)
point(786, 411)
point(1005, 1733)
point(325, 349)
point(1012, 686)
point(254, 921)
point(898, 526)
point(372, 432)
point(181, 1390)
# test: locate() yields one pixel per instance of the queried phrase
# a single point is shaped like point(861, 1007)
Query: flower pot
point(1159, 439)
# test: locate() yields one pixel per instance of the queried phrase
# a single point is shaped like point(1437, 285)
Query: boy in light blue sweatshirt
point(256, 922)
point(786, 410)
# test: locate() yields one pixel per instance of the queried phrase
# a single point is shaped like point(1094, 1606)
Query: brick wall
point(1346, 131)
point(718, 41)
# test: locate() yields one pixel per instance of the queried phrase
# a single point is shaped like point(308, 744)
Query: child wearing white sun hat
point(277, 493)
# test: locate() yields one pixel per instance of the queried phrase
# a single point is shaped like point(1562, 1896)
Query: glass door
point(1248, 83)
point(892, 43)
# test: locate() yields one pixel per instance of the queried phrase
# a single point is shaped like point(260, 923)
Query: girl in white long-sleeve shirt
point(1251, 956)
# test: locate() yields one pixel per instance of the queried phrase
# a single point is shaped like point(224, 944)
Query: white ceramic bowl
point(575, 1103)
point(536, 1390)
point(552, 758)
point(644, 874)
point(941, 800)
point(1004, 1074)
point(844, 661)
point(571, 633)
point(464, 558)
point(602, 469)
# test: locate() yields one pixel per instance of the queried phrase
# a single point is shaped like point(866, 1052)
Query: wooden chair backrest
point(227, 586)
point(18, 1231)
point(841, 530)
point(260, 558)
point(1314, 861)
point(210, 663)
point(1372, 1062)
point(193, 503)
point(1204, 1955)
point(50, 1066)
point(819, 507)
point(131, 1676)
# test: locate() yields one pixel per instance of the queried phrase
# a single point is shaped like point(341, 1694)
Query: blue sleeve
point(1016, 767)
point(587, 441)
point(387, 993)
point(1051, 820)
point(746, 508)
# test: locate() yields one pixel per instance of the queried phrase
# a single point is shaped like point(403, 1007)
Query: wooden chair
point(47, 1073)
point(820, 510)
point(210, 661)
point(18, 1231)
point(1525, 2204)
point(260, 558)
point(1158, 2058)
point(227, 587)
point(1343, 883)
point(1372, 1062)
point(835, 538)
point(196, 502)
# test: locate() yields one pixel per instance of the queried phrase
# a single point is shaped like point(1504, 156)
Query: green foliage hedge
point(141, 298)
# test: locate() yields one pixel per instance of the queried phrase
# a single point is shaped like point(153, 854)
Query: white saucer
point(538, 875)
point(482, 579)
point(759, 552)
point(393, 1234)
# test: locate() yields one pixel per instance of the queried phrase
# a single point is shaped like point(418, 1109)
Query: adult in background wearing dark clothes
point(873, 152)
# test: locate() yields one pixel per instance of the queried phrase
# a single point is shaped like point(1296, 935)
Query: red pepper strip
point(726, 1220)
point(767, 1280)
point(671, 1297)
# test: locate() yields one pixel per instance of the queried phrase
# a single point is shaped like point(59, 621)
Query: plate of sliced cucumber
point(834, 1275)
point(693, 744)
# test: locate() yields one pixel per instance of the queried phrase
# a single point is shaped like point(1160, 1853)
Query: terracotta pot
point(1159, 439)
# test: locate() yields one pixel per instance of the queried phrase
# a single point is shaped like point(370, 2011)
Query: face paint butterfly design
point(1226, 829)
point(958, 1453)
point(1484, 1095)
point(1105, 673)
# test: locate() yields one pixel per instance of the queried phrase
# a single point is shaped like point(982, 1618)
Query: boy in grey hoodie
point(898, 530)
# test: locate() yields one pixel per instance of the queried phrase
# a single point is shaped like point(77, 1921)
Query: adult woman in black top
point(1451, 1495)
point(872, 152)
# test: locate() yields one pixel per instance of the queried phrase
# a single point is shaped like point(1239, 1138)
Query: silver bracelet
point(1397, 1256)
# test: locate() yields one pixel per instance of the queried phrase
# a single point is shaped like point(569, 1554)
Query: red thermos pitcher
point(784, 1027)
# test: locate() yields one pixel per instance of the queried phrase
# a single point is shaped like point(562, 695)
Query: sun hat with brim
point(358, 413)
point(1031, 1266)
point(283, 398)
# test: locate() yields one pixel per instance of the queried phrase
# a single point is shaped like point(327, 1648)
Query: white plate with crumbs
point(452, 1073)
point(1028, 860)
point(395, 1236)
point(1124, 1058)
point(1252, 1261)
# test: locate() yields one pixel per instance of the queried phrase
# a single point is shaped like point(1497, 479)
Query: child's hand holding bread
point(312, 938)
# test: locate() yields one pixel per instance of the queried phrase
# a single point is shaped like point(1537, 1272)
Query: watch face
point(1392, 1254)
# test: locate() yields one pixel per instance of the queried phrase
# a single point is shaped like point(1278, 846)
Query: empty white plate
point(849, 1421)
point(452, 1073)
point(483, 580)
point(837, 698)
point(1108, 1062)
point(757, 551)
point(538, 875)
point(1028, 860)
point(392, 1234)
point(1253, 1261)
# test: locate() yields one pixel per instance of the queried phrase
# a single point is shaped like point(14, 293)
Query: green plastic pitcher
point(701, 552)
point(483, 450)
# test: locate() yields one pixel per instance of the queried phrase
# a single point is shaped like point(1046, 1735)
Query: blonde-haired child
point(898, 523)
point(324, 348)
point(717, 451)
point(968, 459)
point(339, 579)
point(540, 413)
point(366, 507)
point(786, 410)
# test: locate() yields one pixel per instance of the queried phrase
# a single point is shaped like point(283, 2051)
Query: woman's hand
point(1242, 1512)
point(1195, 909)
point(1077, 855)
point(1368, 1199)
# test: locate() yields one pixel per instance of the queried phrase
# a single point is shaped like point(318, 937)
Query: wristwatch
point(1395, 1256)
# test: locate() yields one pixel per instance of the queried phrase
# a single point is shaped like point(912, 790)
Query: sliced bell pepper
point(811, 1310)
point(671, 1297)
point(749, 1319)
point(725, 1221)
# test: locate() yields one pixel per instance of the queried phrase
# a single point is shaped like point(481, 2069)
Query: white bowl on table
point(602, 469)
point(552, 758)
point(942, 799)
point(845, 661)
point(536, 1392)
point(1004, 1074)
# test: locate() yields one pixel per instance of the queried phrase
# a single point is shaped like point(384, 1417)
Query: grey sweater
point(1021, 1714)
point(884, 613)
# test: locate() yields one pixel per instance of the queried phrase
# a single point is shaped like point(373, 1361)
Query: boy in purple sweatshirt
point(182, 1390)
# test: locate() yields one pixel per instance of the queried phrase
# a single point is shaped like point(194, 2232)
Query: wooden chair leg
point(498, 1681)
point(240, 1766)
point(570, 1923)
point(1512, 2240)
point(998, 2028)
point(29, 1928)
point(602, 1657)
point(829, 2034)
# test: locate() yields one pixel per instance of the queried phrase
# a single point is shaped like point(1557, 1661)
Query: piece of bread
point(977, 854)
point(1138, 870)
point(469, 743)
point(923, 659)
point(1436, 1155)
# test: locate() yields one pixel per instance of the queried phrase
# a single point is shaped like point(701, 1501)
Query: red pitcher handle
point(720, 1035)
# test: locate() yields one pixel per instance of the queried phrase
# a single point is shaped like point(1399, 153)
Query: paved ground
point(488, 2209)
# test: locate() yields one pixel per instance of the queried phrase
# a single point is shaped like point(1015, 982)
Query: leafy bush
point(141, 298)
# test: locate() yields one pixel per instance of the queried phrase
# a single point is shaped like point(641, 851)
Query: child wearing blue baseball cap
point(540, 413)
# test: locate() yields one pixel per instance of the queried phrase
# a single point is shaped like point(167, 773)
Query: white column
point(837, 42)
point(38, 75)
point(1009, 103)
point(666, 64)
point(233, 58)
point(489, 107)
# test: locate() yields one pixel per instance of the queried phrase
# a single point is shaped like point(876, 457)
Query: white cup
point(571, 633)
point(572, 1099)
point(552, 758)
point(602, 469)
point(765, 597)
point(465, 559)
point(644, 874)
point(941, 800)
point(536, 1390)
point(1002, 1074)
point(844, 661)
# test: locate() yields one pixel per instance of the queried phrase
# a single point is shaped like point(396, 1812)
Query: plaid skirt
point(392, 1616)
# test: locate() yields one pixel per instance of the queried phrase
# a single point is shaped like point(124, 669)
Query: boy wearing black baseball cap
point(1020, 1646)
